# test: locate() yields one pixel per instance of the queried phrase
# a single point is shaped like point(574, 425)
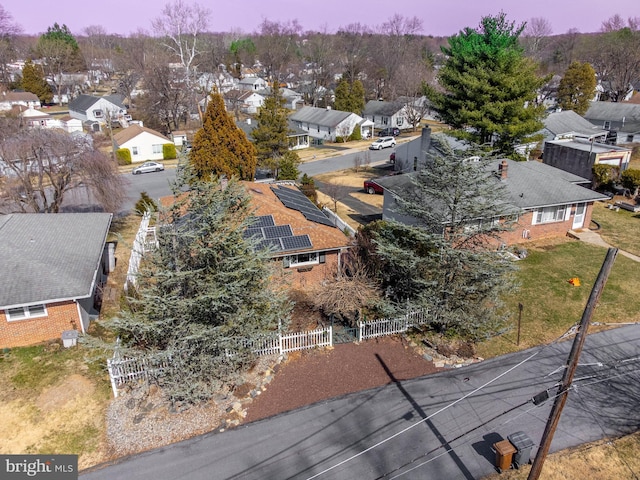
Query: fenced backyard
point(126, 370)
point(145, 240)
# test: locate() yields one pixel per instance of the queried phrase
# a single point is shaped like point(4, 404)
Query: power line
point(446, 407)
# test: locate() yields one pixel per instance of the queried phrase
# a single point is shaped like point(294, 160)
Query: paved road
point(342, 162)
point(452, 444)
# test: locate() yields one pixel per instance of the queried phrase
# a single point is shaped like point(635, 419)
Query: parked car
point(383, 142)
point(372, 187)
point(389, 131)
point(147, 167)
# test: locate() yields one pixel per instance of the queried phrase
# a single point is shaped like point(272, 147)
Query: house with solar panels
point(301, 238)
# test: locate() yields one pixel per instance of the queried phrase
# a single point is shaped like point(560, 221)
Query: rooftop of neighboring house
point(587, 146)
point(614, 112)
point(569, 122)
point(50, 257)
point(320, 116)
point(83, 102)
point(528, 185)
point(381, 107)
point(19, 97)
point(133, 131)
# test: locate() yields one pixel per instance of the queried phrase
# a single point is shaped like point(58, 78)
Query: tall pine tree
point(220, 147)
point(33, 81)
point(202, 292)
point(490, 87)
point(577, 88)
point(350, 96)
point(271, 137)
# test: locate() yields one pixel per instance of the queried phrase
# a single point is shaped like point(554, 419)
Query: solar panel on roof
point(278, 231)
point(296, 200)
point(297, 242)
point(318, 218)
point(272, 244)
point(263, 221)
point(253, 232)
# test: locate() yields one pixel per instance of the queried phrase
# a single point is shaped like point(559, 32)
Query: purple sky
point(440, 18)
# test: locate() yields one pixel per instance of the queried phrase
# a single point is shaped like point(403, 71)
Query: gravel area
point(138, 419)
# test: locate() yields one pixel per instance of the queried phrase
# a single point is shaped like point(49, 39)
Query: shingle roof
point(83, 102)
point(379, 107)
point(587, 146)
point(20, 97)
point(614, 112)
point(528, 184)
point(323, 237)
point(568, 121)
point(320, 116)
point(133, 131)
point(50, 257)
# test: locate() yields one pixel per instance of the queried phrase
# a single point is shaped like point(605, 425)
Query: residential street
point(420, 428)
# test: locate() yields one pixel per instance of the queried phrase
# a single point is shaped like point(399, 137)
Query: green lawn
point(621, 228)
point(552, 304)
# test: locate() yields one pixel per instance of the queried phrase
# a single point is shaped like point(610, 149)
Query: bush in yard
point(145, 204)
point(631, 180)
point(604, 175)
point(309, 188)
point(123, 155)
point(169, 151)
point(355, 135)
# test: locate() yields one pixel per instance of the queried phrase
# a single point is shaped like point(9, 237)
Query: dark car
point(372, 187)
point(385, 132)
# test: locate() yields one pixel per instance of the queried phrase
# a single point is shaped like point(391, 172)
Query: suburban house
point(251, 101)
point(39, 119)
point(303, 240)
point(143, 143)
point(54, 267)
point(387, 114)
point(327, 124)
point(579, 156)
point(545, 201)
point(567, 124)
point(298, 138)
point(88, 108)
point(252, 84)
point(622, 120)
point(22, 100)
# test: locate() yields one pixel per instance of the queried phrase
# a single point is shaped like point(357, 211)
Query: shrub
point(123, 155)
point(604, 175)
point(356, 134)
point(340, 139)
point(145, 204)
point(169, 151)
point(631, 180)
point(309, 188)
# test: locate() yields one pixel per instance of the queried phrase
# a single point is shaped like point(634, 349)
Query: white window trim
point(561, 213)
point(156, 148)
point(293, 260)
point(27, 314)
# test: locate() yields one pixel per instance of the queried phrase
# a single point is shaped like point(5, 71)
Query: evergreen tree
point(577, 88)
point(490, 86)
point(220, 147)
point(350, 96)
point(203, 292)
point(33, 81)
point(271, 137)
point(444, 263)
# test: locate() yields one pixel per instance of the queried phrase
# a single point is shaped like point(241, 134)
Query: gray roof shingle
point(320, 116)
point(568, 121)
point(50, 257)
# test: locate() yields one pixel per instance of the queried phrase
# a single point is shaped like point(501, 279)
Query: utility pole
point(572, 364)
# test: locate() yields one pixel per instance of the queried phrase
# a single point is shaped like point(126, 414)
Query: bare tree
point(353, 49)
point(357, 163)
point(129, 63)
point(42, 166)
point(336, 192)
point(278, 46)
point(318, 51)
point(8, 32)
point(181, 25)
point(535, 35)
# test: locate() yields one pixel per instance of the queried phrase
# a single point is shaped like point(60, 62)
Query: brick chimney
point(502, 170)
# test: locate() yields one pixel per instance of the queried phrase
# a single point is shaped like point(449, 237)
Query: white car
point(147, 167)
point(383, 142)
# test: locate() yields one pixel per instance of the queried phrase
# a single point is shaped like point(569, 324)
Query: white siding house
point(143, 143)
point(326, 124)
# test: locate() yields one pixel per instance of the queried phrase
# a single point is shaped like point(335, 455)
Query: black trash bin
point(523, 445)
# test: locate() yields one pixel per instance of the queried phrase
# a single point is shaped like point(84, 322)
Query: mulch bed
point(316, 375)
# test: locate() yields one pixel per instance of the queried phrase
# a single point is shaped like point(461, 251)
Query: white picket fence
point(123, 370)
point(338, 222)
point(145, 240)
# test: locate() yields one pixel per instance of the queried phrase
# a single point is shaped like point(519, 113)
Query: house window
point(385, 120)
point(549, 215)
point(157, 148)
point(301, 259)
point(607, 125)
point(134, 150)
point(629, 138)
point(97, 113)
point(22, 313)
point(400, 121)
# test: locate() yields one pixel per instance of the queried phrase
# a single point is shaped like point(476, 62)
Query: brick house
point(548, 202)
point(54, 265)
point(304, 241)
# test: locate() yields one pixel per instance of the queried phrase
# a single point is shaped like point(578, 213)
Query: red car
point(372, 187)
